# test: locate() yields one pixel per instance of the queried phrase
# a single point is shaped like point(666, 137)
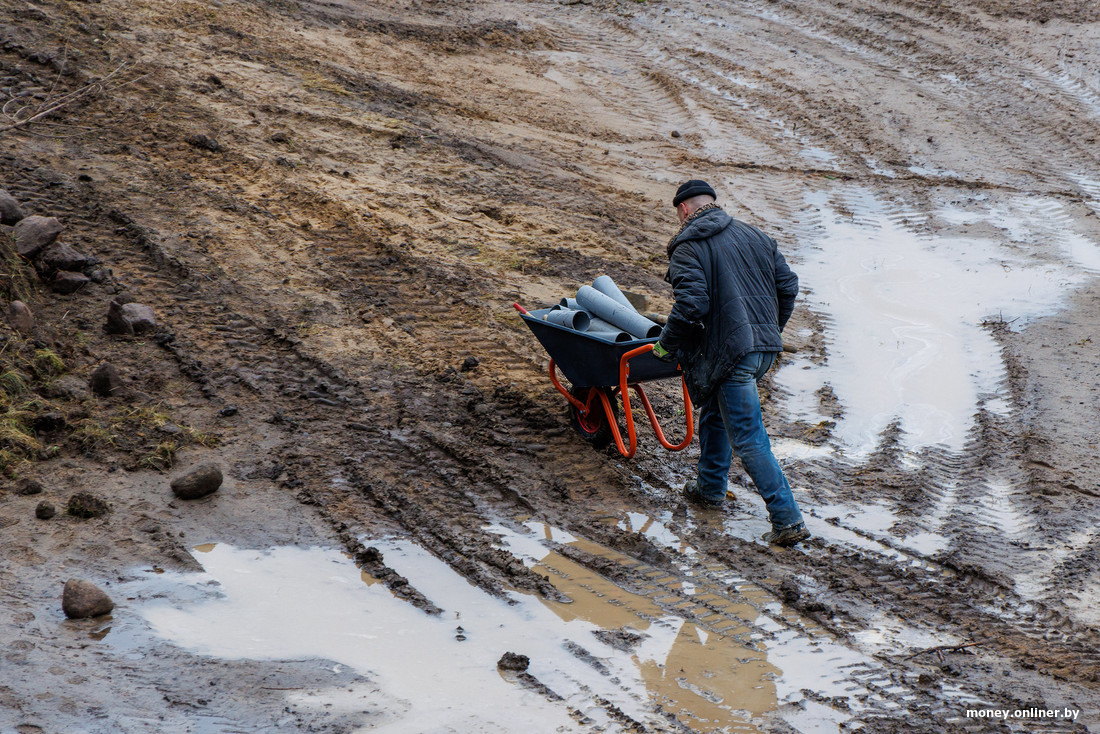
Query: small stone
point(45, 510)
point(280, 137)
point(513, 661)
point(65, 282)
point(10, 211)
point(204, 142)
point(82, 599)
point(198, 481)
point(34, 234)
point(21, 317)
point(228, 411)
point(60, 256)
point(28, 486)
point(470, 363)
point(106, 381)
point(86, 505)
point(130, 318)
point(675, 133)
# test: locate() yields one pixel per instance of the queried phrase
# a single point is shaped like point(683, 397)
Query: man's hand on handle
point(663, 354)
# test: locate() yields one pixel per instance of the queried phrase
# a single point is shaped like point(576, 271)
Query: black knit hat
point(694, 187)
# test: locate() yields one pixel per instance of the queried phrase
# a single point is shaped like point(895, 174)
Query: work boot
point(787, 536)
point(695, 497)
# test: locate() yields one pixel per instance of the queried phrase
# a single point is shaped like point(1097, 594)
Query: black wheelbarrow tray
point(599, 370)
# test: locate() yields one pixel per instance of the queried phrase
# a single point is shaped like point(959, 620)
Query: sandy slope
point(389, 177)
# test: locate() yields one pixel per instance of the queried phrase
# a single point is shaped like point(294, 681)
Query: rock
point(86, 504)
point(10, 211)
point(65, 282)
point(204, 142)
point(20, 317)
point(513, 661)
point(28, 486)
point(82, 599)
point(470, 363)
point(106, 381)
point(60, 256)
point(48, 422)
point(130, 318)
point(34, 234)
point(675, 133)
point(198, 481)
point(71, 387)
point(45, 510)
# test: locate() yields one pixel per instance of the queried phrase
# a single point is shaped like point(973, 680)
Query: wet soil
point(332, 206)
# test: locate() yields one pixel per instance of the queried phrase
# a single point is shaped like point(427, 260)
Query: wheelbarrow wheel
point(592, 427)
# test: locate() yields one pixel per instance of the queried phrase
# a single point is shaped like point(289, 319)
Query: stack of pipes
point(603, 310)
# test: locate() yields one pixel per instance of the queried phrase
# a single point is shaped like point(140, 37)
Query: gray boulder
point(34, 234)
point(60, 256)
point(130, 318)
point(82, 599)
point(10, 211)
point(197, 482)
point(65, 282)
point(20, 317)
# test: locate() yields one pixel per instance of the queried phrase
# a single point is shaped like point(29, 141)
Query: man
point(734, 294)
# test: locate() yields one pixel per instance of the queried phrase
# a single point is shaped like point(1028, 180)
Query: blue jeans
point(731, 421)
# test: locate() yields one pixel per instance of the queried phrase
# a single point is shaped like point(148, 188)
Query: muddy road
point(331, 206)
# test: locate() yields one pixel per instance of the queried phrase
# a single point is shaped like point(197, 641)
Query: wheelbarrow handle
point(624, 384)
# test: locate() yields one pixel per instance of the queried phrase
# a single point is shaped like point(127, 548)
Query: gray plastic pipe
point(600, 328)
point(606, 286)
point(576, 320)
point(571, 303)
point(610, 310)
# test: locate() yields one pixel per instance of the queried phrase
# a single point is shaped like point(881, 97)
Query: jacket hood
point(707, 224)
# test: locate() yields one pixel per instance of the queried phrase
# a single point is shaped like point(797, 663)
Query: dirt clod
point(204, 142)
point(45, 510)
point(513, 661)
point(106, 381)
point(87, 505)
point(28, 486)
point(82, 599)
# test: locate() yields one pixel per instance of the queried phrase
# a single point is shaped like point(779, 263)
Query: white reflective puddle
point(905, 310)
point(610, 652)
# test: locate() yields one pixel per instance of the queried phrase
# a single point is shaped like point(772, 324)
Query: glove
point(663, 354)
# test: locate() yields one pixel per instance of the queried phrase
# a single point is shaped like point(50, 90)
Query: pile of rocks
point(37, 239)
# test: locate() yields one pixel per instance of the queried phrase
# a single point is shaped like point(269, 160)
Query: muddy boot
point(695, 497)
point(787, 536)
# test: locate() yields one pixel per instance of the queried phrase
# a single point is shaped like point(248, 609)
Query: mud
point(331, 207)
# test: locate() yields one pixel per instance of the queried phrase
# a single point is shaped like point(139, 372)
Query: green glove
point(663, 354)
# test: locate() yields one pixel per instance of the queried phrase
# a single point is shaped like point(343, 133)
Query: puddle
point(645, 654)
point(905, 310)
point(292, 603)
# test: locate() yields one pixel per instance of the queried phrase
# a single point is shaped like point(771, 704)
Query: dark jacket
point(734, 293)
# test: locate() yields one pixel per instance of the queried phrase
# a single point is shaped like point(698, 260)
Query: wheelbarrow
point(599, 370)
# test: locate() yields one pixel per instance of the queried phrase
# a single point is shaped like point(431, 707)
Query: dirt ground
point(331, 207)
